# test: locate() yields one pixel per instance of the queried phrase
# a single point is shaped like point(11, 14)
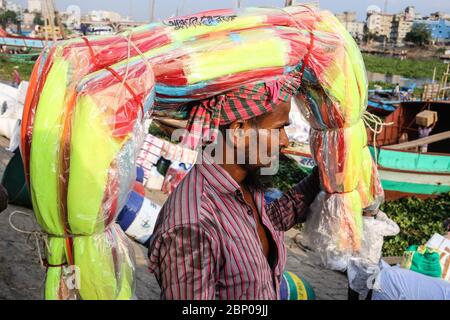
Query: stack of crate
point(431, 91)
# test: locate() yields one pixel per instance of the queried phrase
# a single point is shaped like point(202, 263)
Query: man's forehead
point(279, 114)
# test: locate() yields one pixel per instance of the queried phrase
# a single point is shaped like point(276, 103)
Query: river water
point(402, 81)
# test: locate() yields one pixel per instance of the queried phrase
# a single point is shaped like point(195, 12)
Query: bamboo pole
point(152, 10)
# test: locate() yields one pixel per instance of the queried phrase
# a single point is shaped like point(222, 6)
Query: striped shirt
point(206, 245)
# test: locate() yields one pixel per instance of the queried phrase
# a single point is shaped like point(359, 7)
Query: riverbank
point(7, 67)
point(409, 68)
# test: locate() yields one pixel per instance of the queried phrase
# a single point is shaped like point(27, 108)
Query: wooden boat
point(403, 169)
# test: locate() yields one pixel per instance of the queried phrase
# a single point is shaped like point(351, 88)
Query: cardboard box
point(426, 118)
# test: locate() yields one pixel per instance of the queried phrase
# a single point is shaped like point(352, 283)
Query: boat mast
point(152, 10)
point(49, 17)
point(444, 82)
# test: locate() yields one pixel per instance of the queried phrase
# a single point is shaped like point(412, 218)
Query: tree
point(368, 36)
point(419, 34)
point(38, 19)
point(8, 17)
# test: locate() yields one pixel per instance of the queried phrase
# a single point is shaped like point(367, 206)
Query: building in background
point(2, 4)
point(379, 23)
point(34, 6)
point(436, 16)
point(354, 27)
point(102, 15)
point(28, 19)
point(440, 29)
point(410, 13)
point(72, 17)
point(13, 6)
point(401, 25)
point(391, 27)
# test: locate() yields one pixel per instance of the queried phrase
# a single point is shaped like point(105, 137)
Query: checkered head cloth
point(243, 103)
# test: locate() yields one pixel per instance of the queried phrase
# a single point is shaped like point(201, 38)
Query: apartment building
point(354, 27)
point(391, 27)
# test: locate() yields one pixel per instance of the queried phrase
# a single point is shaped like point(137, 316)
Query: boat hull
point(403, 174)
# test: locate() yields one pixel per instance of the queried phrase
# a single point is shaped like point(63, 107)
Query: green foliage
point(384, 85)
point(408, 68)
point(7, 17)
point(440, 51)
point(419, 34)
point(38, 19)
point(418, 221)
point(288, 175)
point(6, 69)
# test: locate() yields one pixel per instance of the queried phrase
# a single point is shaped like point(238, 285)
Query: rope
point(114, 73)
point(141, 54)
point(369, 118)
point(39, 237)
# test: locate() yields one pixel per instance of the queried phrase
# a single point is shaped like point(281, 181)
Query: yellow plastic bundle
point(84, 133)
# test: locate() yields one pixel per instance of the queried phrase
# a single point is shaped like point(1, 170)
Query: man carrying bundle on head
point(215, 237)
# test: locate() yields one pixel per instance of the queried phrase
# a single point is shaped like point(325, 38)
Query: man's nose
point(284, 140)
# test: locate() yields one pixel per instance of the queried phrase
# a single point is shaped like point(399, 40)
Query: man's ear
point(238, 124)
point(237, 133)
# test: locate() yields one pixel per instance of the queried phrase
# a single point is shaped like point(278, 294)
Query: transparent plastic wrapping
point(369, 187)
point(339, 169)
point(361, 274)
point(82, 128)
point(334, 228)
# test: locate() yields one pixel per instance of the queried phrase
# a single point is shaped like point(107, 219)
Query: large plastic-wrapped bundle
point(334, 102)
point(82, 128)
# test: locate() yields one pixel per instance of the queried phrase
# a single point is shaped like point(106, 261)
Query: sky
point(140, 9)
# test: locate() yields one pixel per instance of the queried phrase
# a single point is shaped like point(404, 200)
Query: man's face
point(269, 136)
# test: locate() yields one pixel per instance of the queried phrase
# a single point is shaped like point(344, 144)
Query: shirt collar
point(217, 176)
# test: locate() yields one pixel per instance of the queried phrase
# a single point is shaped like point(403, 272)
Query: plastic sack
point(138, 218)
point(333, 229)
point(339, 169)
point(361, 275)
point(333, 103)
point(442, 246)
point(369, 186)
point(14, 140)
point(423, 260)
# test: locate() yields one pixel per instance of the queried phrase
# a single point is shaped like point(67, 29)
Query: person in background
point(423, 133)
point(16, 77)
point(403, 137)
point(397, 91)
